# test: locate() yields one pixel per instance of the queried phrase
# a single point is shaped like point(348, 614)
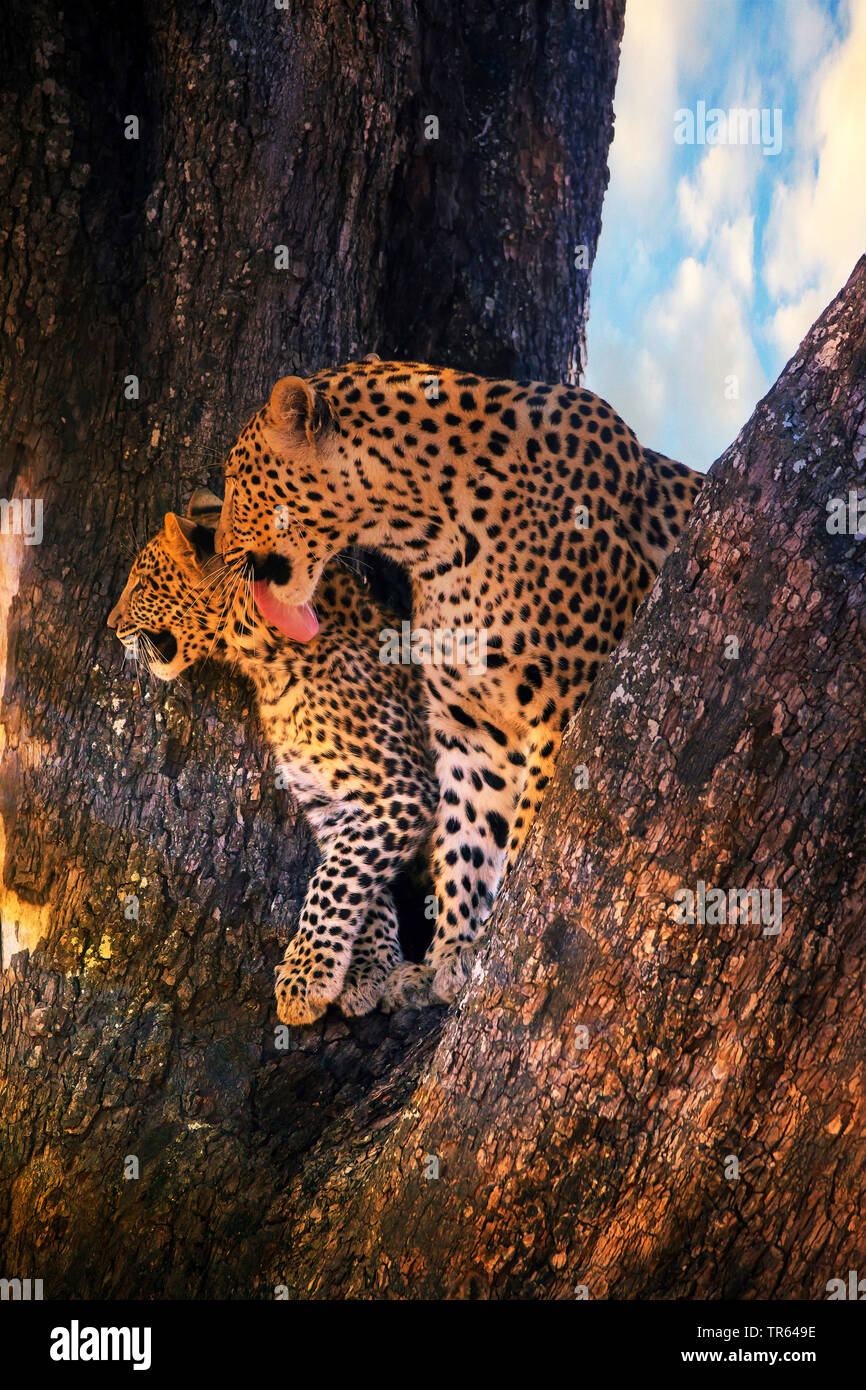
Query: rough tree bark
point(603, 1158)
point(154, 257)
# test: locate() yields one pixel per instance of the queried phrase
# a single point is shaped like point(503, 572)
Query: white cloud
point(694, 376)
point(789, 325)
point(817, 225)
point(681, 300)
point(735, 252)
point(809, 34)
point(661, 38)
point(721, 188)
point(707, 358)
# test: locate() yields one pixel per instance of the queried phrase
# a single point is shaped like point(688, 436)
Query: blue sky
point(715, 259)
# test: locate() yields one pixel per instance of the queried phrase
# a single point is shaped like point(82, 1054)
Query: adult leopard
point(524, 512)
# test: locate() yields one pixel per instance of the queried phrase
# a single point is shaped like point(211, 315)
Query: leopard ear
point(202, 505)
point(178, 538)
point(296, 410)
point(191, 542)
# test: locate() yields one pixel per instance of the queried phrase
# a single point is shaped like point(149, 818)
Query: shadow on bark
point(151, 873)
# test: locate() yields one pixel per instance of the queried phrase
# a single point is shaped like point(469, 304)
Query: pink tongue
point(297, 621)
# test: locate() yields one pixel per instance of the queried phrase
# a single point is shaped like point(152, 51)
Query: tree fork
point(621, 1106)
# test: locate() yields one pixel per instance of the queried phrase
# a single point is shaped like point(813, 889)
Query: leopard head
point(172, 607)
point(287, 508)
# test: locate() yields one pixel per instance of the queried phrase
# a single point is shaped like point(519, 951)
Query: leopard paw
point(408, 987)
point(365, 983)
point(452, 973)
point(303, 985)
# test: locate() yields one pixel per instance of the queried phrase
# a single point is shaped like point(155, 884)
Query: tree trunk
point(621, 1106)
point(155, 159)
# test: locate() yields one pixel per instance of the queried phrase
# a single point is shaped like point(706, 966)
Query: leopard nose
point(274, 568)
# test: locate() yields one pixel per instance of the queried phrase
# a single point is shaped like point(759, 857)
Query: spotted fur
point(525, 509)
point(348, 733)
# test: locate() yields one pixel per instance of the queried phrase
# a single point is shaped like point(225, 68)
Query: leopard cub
point(348, 732)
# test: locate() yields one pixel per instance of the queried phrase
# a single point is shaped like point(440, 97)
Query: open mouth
point(295, 620)
point(163, 643)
